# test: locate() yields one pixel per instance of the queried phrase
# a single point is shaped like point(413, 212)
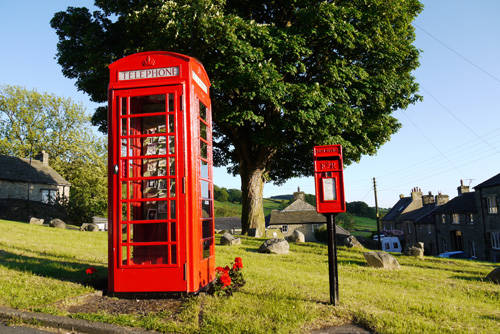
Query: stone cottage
point(302, 216)
point(458, 225)
point(488, 199)
point(31, 179)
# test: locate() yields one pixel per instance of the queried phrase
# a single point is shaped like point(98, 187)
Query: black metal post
point(332, 259)
point(377, 215)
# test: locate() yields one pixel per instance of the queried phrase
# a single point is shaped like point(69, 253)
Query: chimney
point(428, 199)
point(299, 195)
point(462, 189)
point(416, 193)
point(441, 199)
point(401, 196)
point(43, 157)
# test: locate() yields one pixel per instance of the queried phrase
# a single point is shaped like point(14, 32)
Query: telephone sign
point(329, 179)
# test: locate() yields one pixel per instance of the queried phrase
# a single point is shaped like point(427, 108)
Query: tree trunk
point(252, 186)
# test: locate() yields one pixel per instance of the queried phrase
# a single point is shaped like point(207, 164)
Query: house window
point(387, 245)
point(49, 196)
point(458, 218)
point(443, 218)
point(284, 228)
point(471, 218)
point(409, 228)
point(472, 248)
point(492, 204)
point(429, 228)
point(495, 240)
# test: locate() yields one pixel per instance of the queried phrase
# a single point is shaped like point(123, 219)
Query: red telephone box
point(329, 180)
point(161, 231)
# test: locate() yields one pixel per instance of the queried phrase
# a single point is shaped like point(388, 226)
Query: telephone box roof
point(157, 59)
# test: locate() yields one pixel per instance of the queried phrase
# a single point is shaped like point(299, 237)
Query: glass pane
point(205, 192)
point(124, 254)
point(203, 130)
point(124, 126)
point(171, 144)
point(173, 234)
point(203, 149)
point(206, 229)
point(172, 188)
point(147, 104)
point(124, 232)
point(172, 209)
point(206, 247)
point(172, 165)
point(203, 169)
point(149, 254)
point(174, 254)
point(156, 232)
point(171, 123)
point(124, 148)
point(203, 111)
point(124, 211)
point(171, 102)
point(124, 105)
point(206, 208)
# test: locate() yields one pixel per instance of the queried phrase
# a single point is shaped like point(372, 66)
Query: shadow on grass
point(61, 270)
point(468, 278)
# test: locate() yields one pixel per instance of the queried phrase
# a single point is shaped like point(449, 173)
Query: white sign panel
point(329, 191)
point(200, 83)
point(151, 73)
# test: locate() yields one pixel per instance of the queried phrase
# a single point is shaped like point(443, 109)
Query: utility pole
point(377, 215)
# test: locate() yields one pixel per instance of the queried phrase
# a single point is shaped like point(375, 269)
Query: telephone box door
point(150, 231)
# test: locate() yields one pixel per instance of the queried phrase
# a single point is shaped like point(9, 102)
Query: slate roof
point(465, 203)
point(20, 170)
point(296, 217)
point(227, 223)
point(494, 181)
point(396, 210)
point(424, 215)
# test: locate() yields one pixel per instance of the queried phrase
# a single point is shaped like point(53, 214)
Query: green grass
point(228, 209)
point(283, 294)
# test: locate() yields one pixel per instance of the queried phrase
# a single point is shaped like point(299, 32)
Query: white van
point(391, 244)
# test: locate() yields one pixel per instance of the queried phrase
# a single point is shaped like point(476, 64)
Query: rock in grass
point(381, 260)
point(297, 236)
point(229, 240)
point(36, 221)
point(494, 276)
point(89, 227)
point(57, 223)
point(275, 246)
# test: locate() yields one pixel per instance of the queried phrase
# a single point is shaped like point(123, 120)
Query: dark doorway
point(457, 241)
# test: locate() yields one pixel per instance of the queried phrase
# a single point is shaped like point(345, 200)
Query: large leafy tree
point(31, 122)
point(286, 74)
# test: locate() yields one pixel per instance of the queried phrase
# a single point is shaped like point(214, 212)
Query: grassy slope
point(40, 265)
point(228, 209)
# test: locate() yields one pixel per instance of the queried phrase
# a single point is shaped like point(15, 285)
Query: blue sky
point(453, 134)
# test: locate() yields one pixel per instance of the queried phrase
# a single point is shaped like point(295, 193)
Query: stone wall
point(19, 190)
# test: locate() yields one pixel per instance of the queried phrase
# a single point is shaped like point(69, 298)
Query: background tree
point(286, 75)
point(31, 122)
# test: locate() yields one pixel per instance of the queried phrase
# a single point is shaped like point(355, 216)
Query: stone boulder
point(229, 240)
point(275, 246)
point(494, 276)
point(89, 227)
point(381, 260)
point(296, 236)
point(351, 241)
point(57, 223)
point(415, 250)
point(36, 221)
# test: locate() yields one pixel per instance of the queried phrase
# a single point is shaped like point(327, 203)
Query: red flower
point(226, 269)
point(238, 263)
point(90, 270)
point(225, 280)
point(219, 270)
